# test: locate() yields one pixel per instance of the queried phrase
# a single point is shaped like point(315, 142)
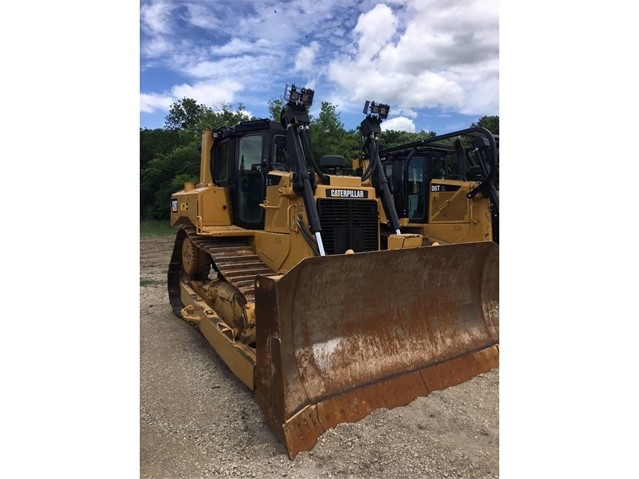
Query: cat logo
point(332, 193)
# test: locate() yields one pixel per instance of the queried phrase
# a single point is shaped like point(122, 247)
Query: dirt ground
point(198, 421)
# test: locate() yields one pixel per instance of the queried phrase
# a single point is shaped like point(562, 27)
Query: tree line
point(170, 156)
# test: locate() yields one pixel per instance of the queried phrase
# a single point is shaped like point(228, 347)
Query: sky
point(436, 63)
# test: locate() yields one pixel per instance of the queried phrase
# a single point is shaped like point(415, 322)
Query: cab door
point(249, 188)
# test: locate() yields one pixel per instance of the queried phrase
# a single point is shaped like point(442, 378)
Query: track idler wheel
point(195, 262)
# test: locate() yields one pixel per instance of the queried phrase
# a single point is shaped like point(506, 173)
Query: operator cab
point(440, 172)
point(411, 179)
point(240, 161)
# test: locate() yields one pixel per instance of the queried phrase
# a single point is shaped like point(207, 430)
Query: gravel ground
point(198, 421)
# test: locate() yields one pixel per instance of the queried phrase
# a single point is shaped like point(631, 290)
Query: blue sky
point(436, 63)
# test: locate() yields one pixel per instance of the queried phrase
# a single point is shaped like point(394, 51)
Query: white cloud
point(400, 123)
point(150, 102)
point(306, 56)
point(202, 16)
point(405, 112)
point(205, 93)
point(156, 47)
point(237, 46)
point(209, 93)
point(155, 18)
point(445, 55)
point(375, 28)
point(249, 68)
point(481, 88)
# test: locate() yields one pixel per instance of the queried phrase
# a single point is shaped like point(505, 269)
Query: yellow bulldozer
point(285, 270)
point(446, 187)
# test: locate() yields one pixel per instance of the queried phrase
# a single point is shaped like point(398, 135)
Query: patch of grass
point(149, 282)
point(156, 228)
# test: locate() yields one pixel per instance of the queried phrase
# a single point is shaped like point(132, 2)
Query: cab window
point(416, 191)
point(222, 162)
point(251, 184)
point(279, 152)
point(250, 152)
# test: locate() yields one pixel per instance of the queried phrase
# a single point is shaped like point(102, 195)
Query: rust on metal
point(340, 336)
point(458, 370)
point(355, 405)
point(302, 430)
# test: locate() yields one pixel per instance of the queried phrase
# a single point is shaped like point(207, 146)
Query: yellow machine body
point(324, 327)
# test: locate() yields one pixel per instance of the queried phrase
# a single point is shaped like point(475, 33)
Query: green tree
point(390, 138)
point(154, 143)
point(491, 123)
point(183, 114)
point(165, 174)
point(275, 107)
point(327, 131)
point(350, 145)
point(223, 114)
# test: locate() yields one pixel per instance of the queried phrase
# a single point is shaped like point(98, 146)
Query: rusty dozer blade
point(340, 336)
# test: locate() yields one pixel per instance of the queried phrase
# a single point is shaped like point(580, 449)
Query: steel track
point(232, 257)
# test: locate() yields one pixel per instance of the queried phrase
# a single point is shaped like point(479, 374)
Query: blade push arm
point(370, 128)
point(296, 120)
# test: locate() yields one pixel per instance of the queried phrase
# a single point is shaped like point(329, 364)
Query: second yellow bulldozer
point(285, 271)
point(446, 187)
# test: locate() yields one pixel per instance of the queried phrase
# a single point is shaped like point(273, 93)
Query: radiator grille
point(348, 224)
